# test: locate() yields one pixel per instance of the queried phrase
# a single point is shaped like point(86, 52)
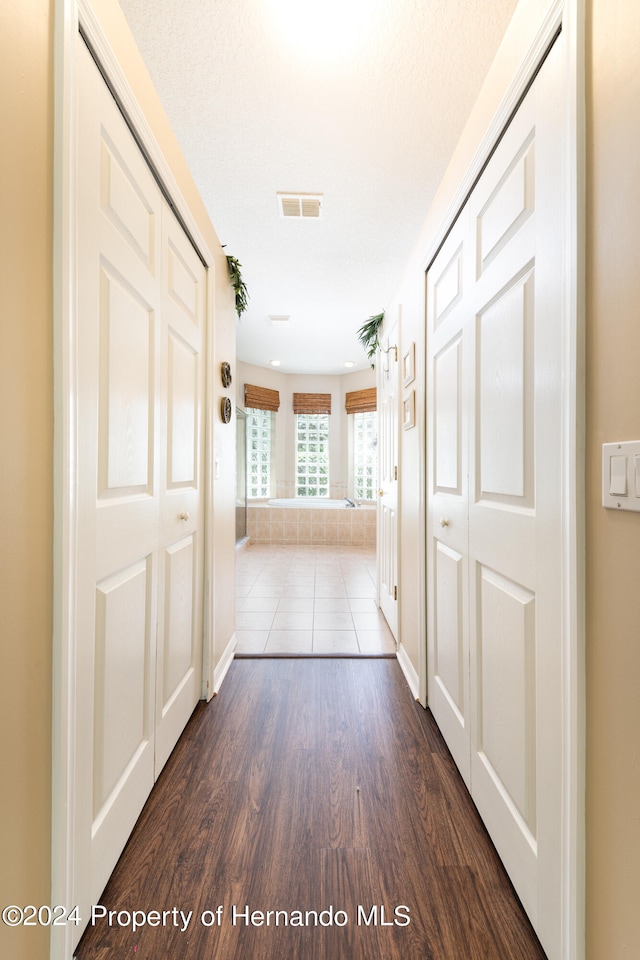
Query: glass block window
point(312, 455)
point(365, 459)
point(260, 436)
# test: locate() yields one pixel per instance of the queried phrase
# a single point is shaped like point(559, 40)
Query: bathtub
point(311, 520)
point(308, 503)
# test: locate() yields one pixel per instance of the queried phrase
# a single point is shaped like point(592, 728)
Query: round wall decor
point(225, 409)
point(225, 373)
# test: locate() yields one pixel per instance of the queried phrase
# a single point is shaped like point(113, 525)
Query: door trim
point(568, 16)
point(71, 18)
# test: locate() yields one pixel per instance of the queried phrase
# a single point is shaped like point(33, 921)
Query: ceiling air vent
point(301, 206)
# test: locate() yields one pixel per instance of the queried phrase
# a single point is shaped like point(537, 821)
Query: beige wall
point(26, 444)
point(288, 384)
point(613, 540)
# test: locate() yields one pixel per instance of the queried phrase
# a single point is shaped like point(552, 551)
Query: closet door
point(140, 534)
point(448, 492)
point(180, 603)
point(496, 650)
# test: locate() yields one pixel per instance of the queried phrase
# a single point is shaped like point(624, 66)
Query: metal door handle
point(444, 522)
point(184, 516)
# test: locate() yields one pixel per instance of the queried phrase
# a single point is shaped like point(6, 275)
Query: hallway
point(305, 785)
point(309, 600)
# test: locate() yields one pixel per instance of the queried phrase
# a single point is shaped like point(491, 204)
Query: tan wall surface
point(613, 540)
point(26, 474)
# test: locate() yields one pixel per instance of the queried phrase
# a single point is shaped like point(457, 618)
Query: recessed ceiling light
point(349, 363)
point(275, 363)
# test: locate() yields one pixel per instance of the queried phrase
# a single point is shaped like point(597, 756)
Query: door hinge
point(395, 593)
point(395, 473)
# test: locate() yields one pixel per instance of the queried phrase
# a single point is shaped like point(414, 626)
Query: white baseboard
point(223, 664)
point(410, 673)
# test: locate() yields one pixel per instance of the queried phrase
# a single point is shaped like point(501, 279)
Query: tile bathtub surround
point(306, 526)
point(309, 599)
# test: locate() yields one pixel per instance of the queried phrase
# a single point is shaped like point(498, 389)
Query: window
point(365, 461)
point(312, 455)
point(260, 435)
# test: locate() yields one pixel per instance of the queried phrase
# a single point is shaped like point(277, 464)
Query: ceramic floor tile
point(331, 605)
point(335, 641)
point(266, 591)
point(362, 592)
point(292, 597)
point(292, 620)
point(332, 620)
point(296, 590)
point(337, 591)
point(362, 605)
point(298, 604)
point(293, 580)
point(289, 641)
point(251, 641)
point(254, 620)
point(374, 641)
point(259, 604)
point(370, 621)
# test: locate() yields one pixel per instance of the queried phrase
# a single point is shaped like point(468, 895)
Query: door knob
point(380, 492)
point(184, 516)
point(444, 522)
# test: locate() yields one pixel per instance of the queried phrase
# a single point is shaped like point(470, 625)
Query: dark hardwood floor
point(311, 785)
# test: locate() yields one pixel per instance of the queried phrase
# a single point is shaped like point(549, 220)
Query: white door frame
point(567, 15)
point(72, 16)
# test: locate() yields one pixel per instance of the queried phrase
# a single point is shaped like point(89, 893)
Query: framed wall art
point(409, 365)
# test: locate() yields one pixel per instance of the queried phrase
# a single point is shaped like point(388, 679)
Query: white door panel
point(388, 491)
point(179, 655)
point(494, 303)
point(139, 590)
point(447, 589)
point(119, 210)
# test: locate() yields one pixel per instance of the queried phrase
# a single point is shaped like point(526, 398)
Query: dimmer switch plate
point(621, 475)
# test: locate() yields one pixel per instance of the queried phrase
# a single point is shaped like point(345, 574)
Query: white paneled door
point(141, 315)
point(388, 491)
point(494, 309)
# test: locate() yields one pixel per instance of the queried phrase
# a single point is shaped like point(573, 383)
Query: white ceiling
point(362, 101)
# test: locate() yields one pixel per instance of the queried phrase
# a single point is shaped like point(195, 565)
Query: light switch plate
point(618, 458)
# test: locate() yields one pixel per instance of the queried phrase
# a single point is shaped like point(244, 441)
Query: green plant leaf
point(240, 288)
point(368, 335)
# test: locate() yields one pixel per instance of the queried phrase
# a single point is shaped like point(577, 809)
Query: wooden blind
point(312, 403)
point(261, 398)
point(360, 401)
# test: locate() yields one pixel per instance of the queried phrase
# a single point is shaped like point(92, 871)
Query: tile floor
point(309, 600)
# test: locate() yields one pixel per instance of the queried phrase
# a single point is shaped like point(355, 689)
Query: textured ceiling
point(362, 101)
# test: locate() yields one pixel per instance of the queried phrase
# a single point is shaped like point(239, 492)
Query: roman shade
point(360, 401)
point(312, 403)
point(261, 398)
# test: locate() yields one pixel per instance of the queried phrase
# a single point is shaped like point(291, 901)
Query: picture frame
point(409, 411)
point(409, 365)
